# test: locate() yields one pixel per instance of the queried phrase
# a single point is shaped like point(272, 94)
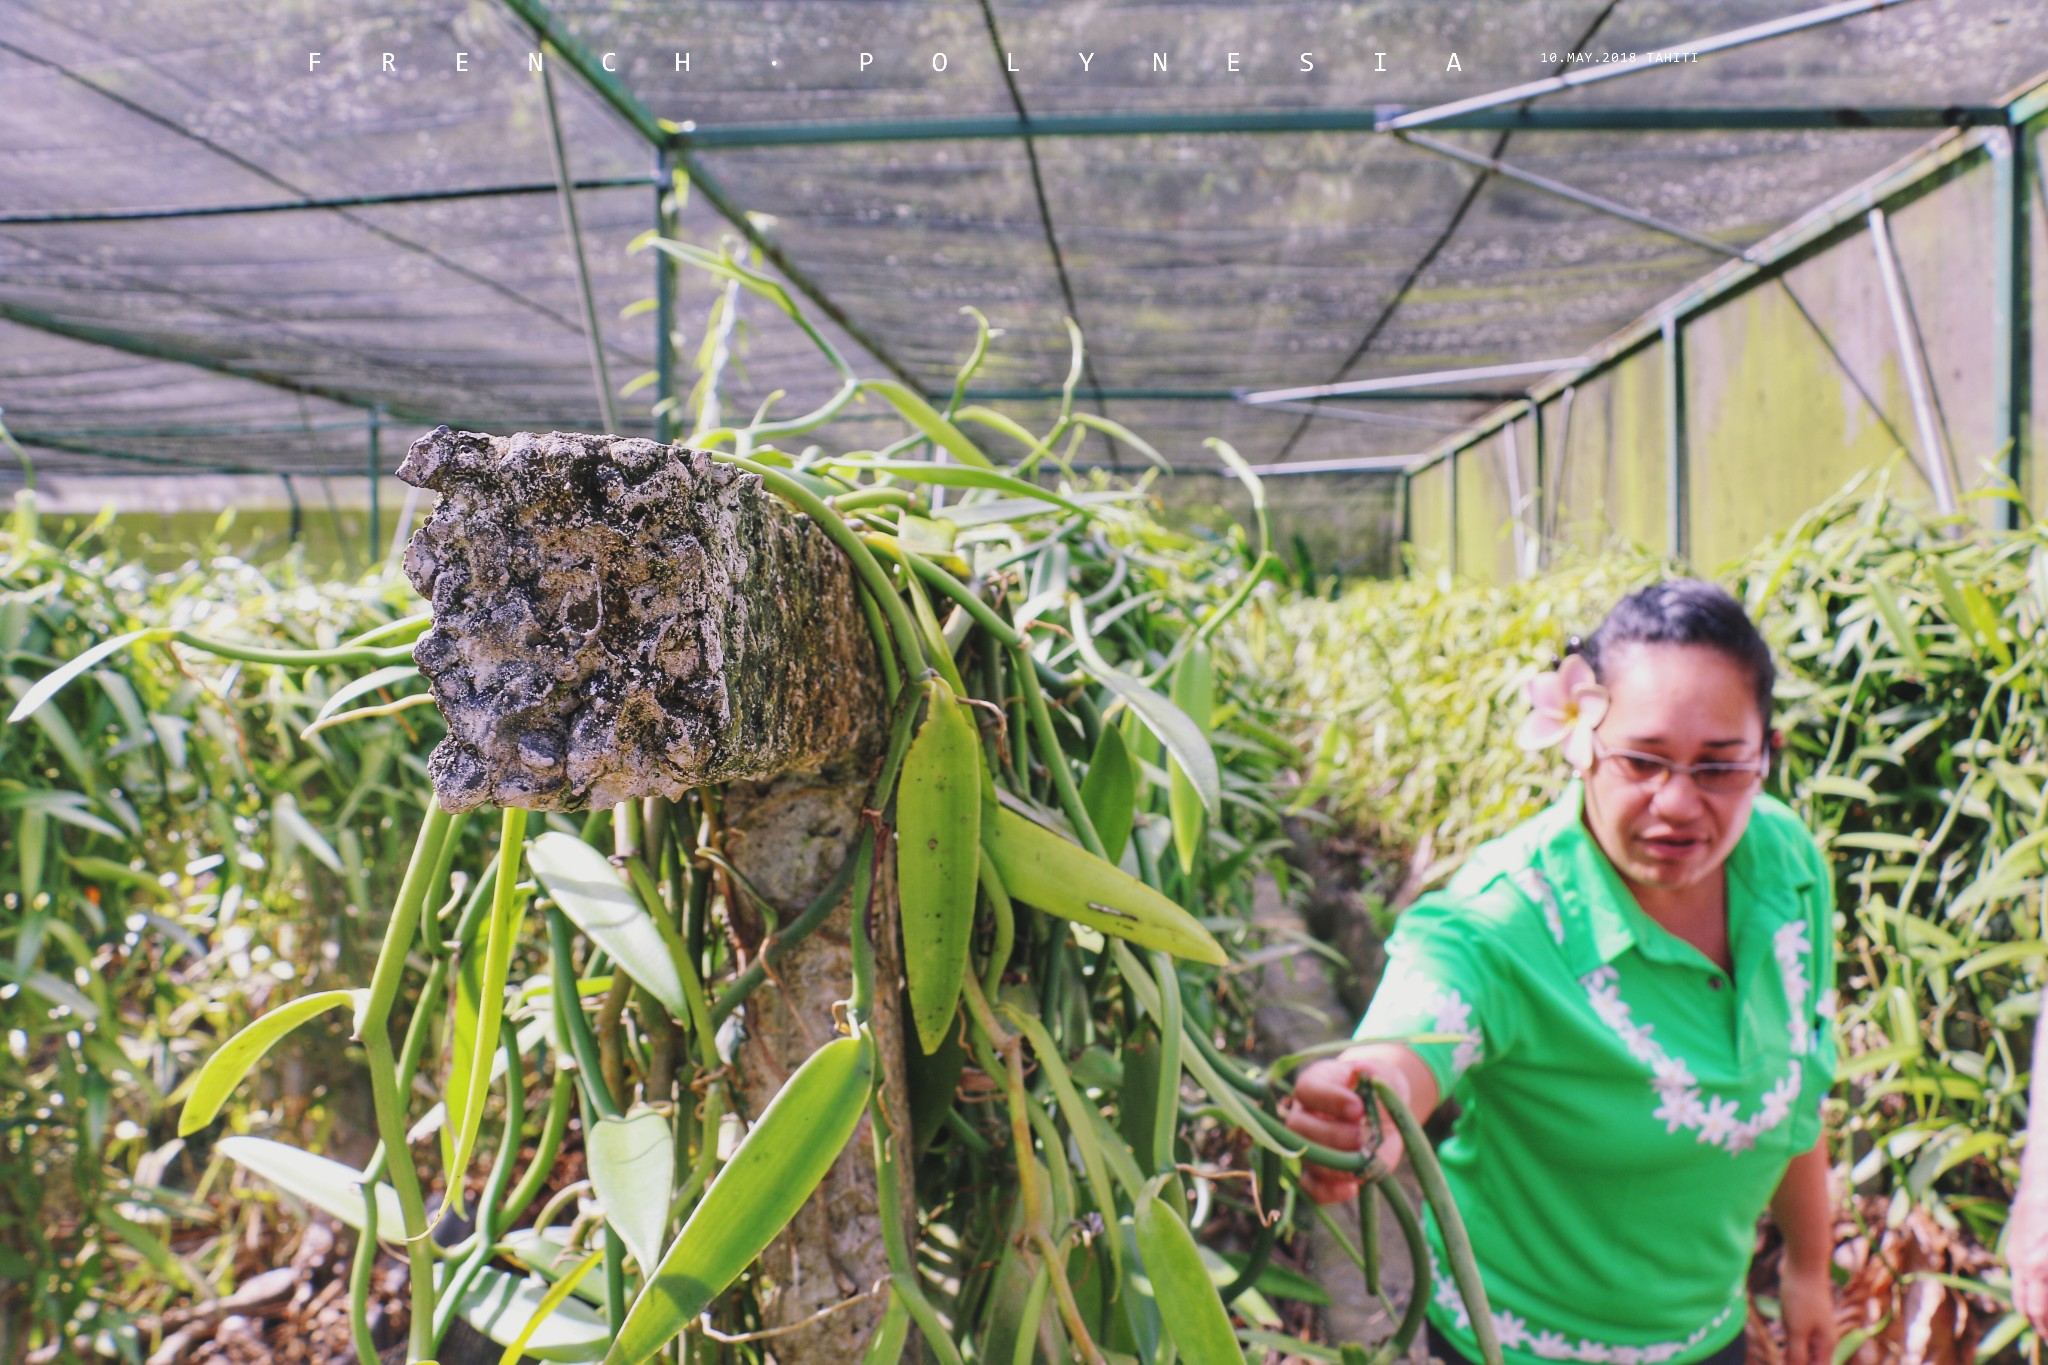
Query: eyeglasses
point(1719, 779)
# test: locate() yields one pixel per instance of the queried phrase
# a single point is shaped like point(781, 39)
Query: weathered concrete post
point(616, 618)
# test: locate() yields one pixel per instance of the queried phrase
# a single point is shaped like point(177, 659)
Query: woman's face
point(1687, 704)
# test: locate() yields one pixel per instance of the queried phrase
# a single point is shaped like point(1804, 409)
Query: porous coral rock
point(615, 617)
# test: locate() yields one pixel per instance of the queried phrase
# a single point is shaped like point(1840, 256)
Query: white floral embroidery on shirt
point(1514, 1333)
point(1790, 947)
point(1446, 1010)
point(1537, 885)
point(1682, 1105)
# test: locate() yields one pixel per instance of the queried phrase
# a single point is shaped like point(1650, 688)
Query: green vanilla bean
point(1369, 1234)
point(614, 1277)
point(873, 497)
point(359, 1268)
point(1267, 562)
point(490, 1211)
point(405, 1179)
point(896, 1239)
point(1457, 1246)
point(642, 879)
point(1239, 1079)
point(1005, 916)
point(582, 1045)
point(1056, 758)
point(1418, 1295)
point(1166, 1108)
point(892, 677)
point(552, 1128)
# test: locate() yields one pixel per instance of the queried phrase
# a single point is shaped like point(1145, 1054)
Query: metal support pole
point(1564, 448)
point(591, 334)
point(376, 476)
point(1677, 474)
point(1451, 502)
point(2009, 306)
point(1542, 483)
point(664, 306)
point(1407, 535)
point(1934, 460)
point(1518, 527)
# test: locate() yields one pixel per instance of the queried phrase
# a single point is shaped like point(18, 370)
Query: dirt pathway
point(1306, 1000)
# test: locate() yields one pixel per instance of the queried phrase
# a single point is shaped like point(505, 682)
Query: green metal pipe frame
point(1841, 215)
point(1677, 471)
point(2008, 303)
point(2005, 147)
point(1533, 119)
point(1495, 111)
point(1402, 383)
point(165, 462)
point(160, 350)
point(1451, 508)
point(664, 308)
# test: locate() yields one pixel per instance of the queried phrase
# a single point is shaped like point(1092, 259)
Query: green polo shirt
point(1627, 1108)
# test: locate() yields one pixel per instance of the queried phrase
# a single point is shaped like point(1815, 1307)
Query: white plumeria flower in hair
point(1564, 709)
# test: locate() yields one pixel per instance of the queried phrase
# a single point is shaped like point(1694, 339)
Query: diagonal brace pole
point(1934, 459)
point(568, 193)
point(1650, 61)
point(1560, 190)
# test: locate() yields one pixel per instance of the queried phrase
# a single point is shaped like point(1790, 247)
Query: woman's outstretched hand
point(1326, 1108)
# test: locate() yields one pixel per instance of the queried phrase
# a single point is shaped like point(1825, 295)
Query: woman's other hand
point(1804, 1211)
point(1807, 1298)
point(1326, 1108)
point(2026, 1251)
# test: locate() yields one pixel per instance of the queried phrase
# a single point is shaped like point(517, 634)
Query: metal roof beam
point(1389, 386)
point(1650, 61)
point(154, 349)
point(1380, 118)
point(353, 201)
point(658, 133)
point(174, 465)
point(1356, 464)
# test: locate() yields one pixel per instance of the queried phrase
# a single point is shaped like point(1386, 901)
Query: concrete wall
point(1793, 384)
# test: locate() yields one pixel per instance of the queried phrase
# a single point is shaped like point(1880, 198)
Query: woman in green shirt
point(1639, 979)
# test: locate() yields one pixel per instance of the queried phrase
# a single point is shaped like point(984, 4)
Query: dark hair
point(1685, 611)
